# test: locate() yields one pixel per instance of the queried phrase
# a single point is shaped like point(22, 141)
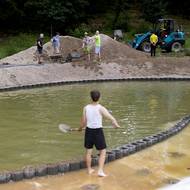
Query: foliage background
point(67, 15)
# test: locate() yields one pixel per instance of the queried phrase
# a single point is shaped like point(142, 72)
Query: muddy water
point(29, 133)
point(150, 169)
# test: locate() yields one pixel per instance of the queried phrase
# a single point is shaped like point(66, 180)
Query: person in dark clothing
point(40, 47)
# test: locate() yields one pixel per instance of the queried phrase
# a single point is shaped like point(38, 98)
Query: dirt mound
point(68, 45)
point(111, 51)
point(23, 57)
point(114, 50)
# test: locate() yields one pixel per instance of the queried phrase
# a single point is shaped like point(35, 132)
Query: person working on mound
point(97, 46)
point(86, 45)
point(92, 122)
point(39, 45)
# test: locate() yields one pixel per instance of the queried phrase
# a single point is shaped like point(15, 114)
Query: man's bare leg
point(101, 163)
point(88, 56)
point(99, 57)
point(39, 59)
point(89, 160)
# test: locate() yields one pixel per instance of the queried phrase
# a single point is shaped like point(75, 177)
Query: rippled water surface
point(29, 119)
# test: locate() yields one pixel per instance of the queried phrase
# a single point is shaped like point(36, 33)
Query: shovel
point(65, 128)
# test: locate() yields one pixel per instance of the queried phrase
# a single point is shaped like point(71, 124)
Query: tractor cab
point(170, 39)
point(165, 27)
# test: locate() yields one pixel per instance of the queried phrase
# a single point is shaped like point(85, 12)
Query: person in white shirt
point(92, 122)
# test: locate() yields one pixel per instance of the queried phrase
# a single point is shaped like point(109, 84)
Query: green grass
point(13, 44)
point(187, 42)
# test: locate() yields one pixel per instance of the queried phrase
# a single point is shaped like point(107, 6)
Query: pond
point(29, 119)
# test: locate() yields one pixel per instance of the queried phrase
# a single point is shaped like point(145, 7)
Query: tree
point(152, 10)
point(179, 8)
point(65, 14)
point(55, 12)
point(119, 7)
point(10, 15)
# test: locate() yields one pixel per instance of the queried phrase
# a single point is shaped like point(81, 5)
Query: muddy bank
point(36, 74)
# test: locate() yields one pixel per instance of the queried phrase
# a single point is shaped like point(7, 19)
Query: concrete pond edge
point(58, 83)
point(30, 172)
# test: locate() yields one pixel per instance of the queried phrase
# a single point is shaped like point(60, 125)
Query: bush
point(122, 22)
point(187, 42)
point(143, 27)
point(13, 44)
point(79, 31)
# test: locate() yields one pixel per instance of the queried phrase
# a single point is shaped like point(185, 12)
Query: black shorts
point(94, 137)
point(39, 50)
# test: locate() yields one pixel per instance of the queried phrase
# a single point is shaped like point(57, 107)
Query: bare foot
point(101, 174)
point(90, 171)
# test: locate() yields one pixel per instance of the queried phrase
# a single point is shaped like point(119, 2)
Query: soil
point(118, 61)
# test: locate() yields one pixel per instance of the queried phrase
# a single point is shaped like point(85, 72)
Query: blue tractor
point(169, 38)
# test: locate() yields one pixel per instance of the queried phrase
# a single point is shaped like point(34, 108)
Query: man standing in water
point(92, 121)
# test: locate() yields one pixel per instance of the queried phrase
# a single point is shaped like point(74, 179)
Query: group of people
point(87, 44)
point(94, 112)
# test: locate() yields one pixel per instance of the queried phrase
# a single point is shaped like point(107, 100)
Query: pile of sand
point(111, 51)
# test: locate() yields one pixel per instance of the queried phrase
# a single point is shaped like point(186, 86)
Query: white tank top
point(93, 116)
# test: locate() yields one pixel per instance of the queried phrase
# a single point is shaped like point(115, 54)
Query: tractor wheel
point(145, 46)
point(176, 47)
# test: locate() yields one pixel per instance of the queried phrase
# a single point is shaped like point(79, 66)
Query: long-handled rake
point(65, 128)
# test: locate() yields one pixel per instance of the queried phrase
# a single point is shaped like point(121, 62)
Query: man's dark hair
point(95, 95)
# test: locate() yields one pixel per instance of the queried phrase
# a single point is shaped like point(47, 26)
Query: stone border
point(62, 167)
point(39, 85)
